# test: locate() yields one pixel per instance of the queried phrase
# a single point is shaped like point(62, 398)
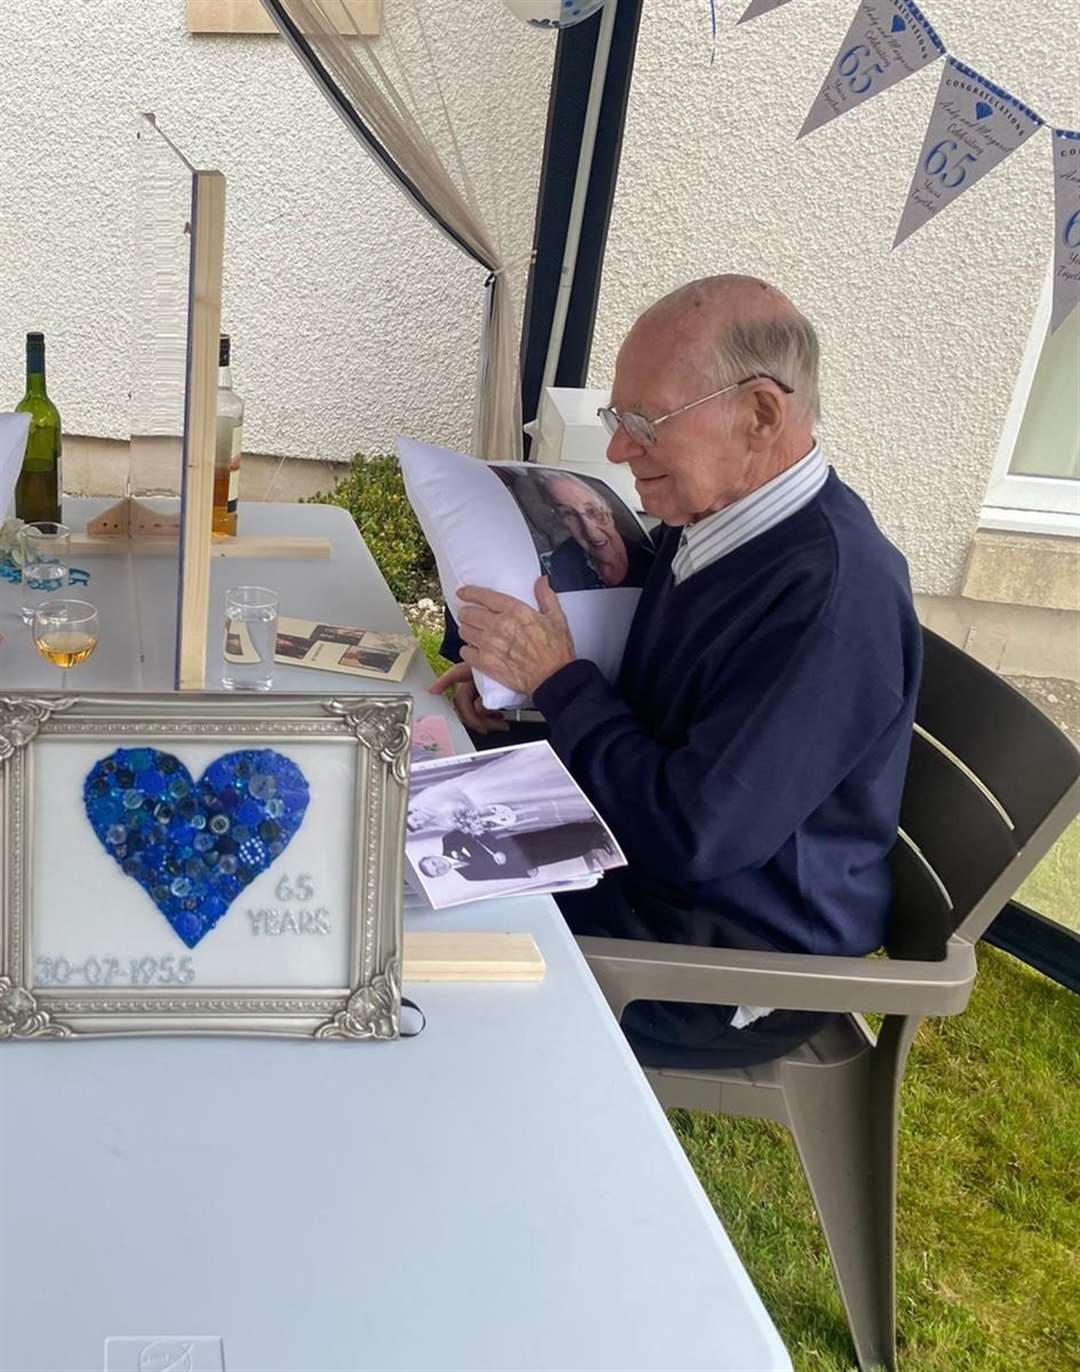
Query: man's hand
point(511, 642)
point(474, 714)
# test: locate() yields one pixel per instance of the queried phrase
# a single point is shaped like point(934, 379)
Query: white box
point(569, 432)
point(569, 429)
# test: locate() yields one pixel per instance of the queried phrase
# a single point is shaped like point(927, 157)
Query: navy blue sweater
point(751, 757)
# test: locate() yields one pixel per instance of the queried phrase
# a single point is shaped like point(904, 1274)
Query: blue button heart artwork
point(193, 846)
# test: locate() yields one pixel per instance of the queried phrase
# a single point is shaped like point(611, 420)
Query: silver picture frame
point(377, 728)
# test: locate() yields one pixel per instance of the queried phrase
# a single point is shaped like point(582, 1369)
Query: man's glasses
point(643, 430)
point(599, 514)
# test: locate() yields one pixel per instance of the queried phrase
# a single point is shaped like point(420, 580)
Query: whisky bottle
point(230, 438)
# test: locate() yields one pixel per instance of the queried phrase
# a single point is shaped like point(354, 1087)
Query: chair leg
point(844, 1121)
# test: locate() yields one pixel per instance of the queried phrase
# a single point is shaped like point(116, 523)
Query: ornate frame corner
point(372, 1012)
point(22, 1018)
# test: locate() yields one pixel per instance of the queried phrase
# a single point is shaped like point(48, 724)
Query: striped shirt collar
point(721, 533)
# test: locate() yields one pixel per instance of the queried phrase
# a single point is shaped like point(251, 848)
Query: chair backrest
point(991, 784)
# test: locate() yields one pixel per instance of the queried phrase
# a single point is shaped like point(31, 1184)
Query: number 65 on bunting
point(973, 127)
point(887, 40)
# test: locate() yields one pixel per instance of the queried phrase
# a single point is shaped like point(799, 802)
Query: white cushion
point(14, 429)
point(481, 537)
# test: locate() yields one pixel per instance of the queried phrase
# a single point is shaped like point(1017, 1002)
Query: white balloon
point(552, 14)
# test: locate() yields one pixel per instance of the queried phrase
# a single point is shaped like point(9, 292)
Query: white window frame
point(1029, 504)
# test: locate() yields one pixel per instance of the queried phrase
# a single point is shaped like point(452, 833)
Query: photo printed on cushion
point(586, 539)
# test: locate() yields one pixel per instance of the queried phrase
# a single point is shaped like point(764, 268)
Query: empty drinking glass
point(251, 614)
point(44, 548)
point(66, 631)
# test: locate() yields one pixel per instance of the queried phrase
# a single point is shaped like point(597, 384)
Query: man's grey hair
point(544, 476)
point(785, 346)
point(744, 326)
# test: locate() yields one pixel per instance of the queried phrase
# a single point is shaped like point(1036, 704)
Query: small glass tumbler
point(66, 631)
point(44, 548)
point(251, 615)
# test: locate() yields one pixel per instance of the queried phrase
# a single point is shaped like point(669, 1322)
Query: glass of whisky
point(66, 632)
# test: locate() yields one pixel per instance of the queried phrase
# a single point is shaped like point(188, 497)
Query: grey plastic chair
point(991, 785)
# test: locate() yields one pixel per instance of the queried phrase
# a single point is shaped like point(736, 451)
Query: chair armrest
point(630, 970)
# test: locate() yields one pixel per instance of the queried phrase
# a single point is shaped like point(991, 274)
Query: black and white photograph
point(586, 537)
point(510, 819)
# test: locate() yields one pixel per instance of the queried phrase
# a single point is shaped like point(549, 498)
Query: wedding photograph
point(510, 818)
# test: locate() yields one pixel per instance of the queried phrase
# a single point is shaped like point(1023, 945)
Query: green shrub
point(374, 494)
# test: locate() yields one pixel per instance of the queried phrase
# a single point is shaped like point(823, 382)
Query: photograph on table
point(188, 863)
point(328, 648)
point(586, 538)
point(375, 659)
point(287, 647)
point(507, 820)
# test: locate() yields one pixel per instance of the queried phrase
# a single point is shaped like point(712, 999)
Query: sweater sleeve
point(764, 751)
point(451, 646)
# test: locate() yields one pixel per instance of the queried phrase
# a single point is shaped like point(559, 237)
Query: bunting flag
point(1066, 147)
point(887, 40)
point(973, 127)
point(757, 7)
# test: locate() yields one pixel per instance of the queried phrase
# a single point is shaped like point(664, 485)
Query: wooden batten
point(437, 956)
point(111, 536)
point(200, 428)
point(360, 17)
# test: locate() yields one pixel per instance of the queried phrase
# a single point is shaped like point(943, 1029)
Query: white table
point(501, 1192)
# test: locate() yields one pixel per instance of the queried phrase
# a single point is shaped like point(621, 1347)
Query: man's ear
point(767, 417)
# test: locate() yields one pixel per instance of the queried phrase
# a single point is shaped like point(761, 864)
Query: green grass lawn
point(989, 1206)
point(1053, 889)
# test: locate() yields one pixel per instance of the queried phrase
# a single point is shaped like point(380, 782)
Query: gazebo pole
point(581, 187)
point(563, 327)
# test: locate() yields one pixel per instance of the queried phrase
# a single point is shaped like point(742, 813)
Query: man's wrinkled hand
point(511, 642)
point(473, 712)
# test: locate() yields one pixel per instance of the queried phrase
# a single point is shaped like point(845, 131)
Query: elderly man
point(751, 756)
point(595, 554)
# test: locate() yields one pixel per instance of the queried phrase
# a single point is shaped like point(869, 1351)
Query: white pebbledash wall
point(353, 319)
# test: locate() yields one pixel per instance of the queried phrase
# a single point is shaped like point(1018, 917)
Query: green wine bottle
point(37, 493)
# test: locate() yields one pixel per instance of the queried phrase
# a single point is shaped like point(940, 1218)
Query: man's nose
point(621, 447)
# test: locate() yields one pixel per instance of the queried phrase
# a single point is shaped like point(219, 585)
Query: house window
point(1036, 482)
